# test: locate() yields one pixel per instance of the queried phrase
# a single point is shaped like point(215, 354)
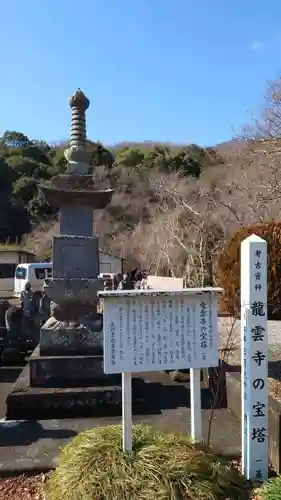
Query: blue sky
point(180, 71)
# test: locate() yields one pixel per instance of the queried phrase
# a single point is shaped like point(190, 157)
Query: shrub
point(271, 489)
point(162, 466)
point(228, 268)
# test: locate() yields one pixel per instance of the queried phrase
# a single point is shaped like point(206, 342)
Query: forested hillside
point(174, 206)
point(25, 164)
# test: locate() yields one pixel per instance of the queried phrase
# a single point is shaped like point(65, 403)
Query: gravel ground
point(32, 487)
point(22, 487)
point(230, 325)
point(229, 330)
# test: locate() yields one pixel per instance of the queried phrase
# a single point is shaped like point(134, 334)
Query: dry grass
point(163, 466)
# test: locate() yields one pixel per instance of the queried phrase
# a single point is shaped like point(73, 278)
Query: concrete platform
point(35, 446)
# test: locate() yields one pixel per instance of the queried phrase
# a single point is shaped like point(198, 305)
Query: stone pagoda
point(65, 372)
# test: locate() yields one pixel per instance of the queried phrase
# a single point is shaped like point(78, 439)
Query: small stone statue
point(13, 319)
point(137, 276)
point(44, 308)
point(117, 280)
point(126, 283)
point(107, 285)
point(27, 303)
point(13, 338)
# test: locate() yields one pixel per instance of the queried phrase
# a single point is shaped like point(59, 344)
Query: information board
point(154, 331)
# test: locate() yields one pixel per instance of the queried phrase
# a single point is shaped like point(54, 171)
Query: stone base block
point(68, 371)
point(75, 256)
point(2, 334)
point(69, 342)
point(34, 403)
point(68, 291)
point(10, 356)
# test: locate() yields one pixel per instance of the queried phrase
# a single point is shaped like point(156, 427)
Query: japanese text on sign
point(254, 358)
point(164, 331)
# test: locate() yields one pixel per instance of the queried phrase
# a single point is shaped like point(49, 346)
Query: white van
point(34, 273)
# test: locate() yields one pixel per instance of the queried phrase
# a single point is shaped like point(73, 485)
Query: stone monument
point(75, 327)
point(65, 372)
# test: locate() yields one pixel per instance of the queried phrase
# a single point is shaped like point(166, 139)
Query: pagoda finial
point(76, 153)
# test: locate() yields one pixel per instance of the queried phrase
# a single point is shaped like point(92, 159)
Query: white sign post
point(195, 403)
point(127, 411)
point(254, 358)
point(153, 330)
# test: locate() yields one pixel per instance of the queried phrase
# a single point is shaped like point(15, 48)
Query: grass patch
point(271, 489)
point(163, 466)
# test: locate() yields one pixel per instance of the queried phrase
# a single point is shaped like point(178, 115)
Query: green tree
point(38, 208)
point(100, 156)
point(25, 188)
point(129, 158)
point(13, 139)
point(6, 177)
point(14, 219)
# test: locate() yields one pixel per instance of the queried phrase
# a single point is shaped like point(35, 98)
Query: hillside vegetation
point(174, 207)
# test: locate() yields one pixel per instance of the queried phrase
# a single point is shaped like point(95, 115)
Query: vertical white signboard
point(254, 358)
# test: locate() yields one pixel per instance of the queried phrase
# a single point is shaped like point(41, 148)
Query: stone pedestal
point(71, 342)
point(68, 371)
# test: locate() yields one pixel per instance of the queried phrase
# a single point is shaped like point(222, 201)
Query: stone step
point(26, 402)
point(35, 403)
point(42, 403)
point(68, 371)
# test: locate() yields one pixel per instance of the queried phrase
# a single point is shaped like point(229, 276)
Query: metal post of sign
point(127, 411)
point(195, 403)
